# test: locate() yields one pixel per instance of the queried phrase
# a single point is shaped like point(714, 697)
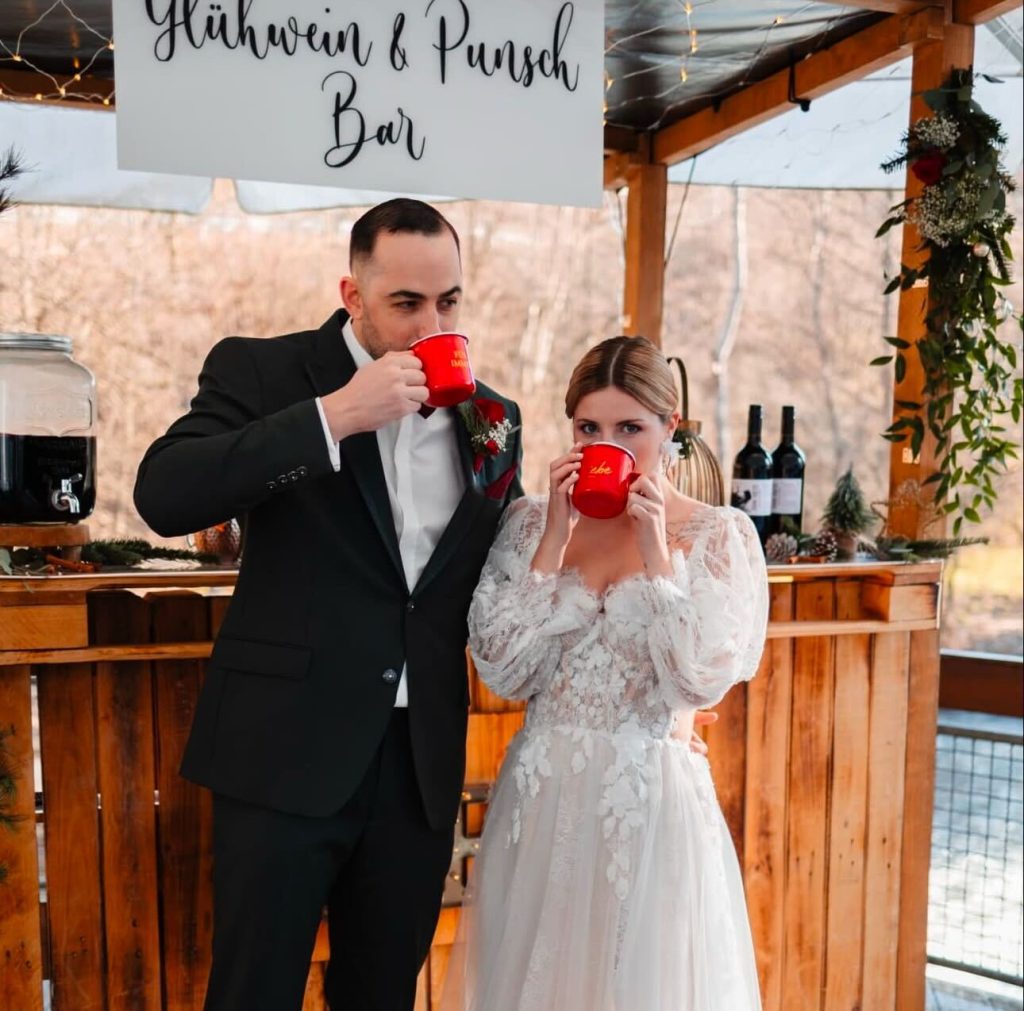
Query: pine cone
point(824, 544)
point(780, 547)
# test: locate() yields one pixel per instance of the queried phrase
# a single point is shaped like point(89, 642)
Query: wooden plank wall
point(811, 762)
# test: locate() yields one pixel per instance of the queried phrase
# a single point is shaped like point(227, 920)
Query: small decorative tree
point(847, 514)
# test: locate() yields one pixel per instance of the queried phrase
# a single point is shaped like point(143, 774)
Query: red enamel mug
point(606, 472)
point(445, 360)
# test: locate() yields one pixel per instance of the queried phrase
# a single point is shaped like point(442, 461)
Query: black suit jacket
point(301, 683)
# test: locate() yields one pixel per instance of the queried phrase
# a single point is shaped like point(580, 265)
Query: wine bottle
point(788, 463)
point(752, 475)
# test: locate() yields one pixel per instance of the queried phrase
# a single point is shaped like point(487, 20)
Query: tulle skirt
point(606, 881)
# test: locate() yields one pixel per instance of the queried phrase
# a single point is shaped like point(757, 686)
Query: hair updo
point(634, 365)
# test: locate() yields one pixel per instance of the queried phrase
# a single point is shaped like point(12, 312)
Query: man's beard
point(370, 338)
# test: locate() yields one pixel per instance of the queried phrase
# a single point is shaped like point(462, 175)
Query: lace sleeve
point(515, 621)
point(709, 623)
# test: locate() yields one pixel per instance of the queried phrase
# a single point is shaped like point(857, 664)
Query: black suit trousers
point(376, 865)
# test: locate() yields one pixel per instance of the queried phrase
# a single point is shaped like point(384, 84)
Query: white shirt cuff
point(332, 446)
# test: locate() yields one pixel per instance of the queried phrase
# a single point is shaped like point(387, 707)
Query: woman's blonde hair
point(632, 364)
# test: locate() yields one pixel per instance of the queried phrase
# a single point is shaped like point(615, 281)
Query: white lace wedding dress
point(607, 879)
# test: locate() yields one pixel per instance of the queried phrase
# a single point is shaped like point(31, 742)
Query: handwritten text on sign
point(471, 98)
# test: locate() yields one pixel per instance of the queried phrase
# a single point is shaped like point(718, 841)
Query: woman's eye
point(448, 304)
point(588, 428)
point(631, 429)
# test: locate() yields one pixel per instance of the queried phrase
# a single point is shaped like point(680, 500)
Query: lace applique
point(622, 807)
point(531, 763)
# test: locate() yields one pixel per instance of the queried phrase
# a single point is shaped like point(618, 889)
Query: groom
point(331, 725)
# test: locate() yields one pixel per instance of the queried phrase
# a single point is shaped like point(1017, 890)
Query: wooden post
point(933, 61)
point(645, 247)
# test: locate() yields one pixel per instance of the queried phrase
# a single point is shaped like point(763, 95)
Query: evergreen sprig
point(132, 550)
point(11, 167)
point(904, 549)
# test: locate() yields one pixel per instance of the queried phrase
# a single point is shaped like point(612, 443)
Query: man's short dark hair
point(399, 215)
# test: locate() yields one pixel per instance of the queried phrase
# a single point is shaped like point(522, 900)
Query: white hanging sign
point(496, 99)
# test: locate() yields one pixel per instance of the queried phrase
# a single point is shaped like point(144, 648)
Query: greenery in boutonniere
point(971, 382)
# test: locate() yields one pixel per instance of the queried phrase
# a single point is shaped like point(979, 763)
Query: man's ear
point(351, 297)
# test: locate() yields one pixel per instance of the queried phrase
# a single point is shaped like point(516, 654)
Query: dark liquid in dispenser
point(32, 468)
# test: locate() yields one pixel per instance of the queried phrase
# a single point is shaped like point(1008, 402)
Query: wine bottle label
point(753, 497)
point(787, 495)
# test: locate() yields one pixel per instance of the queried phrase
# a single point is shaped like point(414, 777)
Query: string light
point(80, 29)
point(673, 99)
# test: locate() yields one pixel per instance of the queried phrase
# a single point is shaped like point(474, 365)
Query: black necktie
point(426, 412)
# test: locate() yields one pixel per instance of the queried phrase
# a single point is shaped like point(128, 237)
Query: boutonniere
point(488, 427)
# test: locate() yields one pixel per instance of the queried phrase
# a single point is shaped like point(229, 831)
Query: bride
point(606, 879)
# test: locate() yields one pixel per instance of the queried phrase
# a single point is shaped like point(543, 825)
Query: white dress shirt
point(424, 477)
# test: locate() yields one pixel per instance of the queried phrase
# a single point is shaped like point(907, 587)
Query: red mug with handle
point(445, 361)
point(606, 472)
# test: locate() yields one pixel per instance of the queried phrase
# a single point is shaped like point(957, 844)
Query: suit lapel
point(332, 366)
point(465, 514)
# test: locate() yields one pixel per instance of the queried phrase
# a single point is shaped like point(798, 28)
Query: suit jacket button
point(390, 676)
point(272, 486)
point(411, 606)
point(303, 471)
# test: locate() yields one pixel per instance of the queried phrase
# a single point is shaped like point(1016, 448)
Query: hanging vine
point(971, 380)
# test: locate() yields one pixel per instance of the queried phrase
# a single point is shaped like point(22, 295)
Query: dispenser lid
point(34, 342)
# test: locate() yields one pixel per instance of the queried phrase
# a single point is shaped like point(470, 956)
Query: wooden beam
point(31, 86)
point(645, 250)
point(881, 44)
point(618, 138)
point(982, 683)
point(977, 12)
point(616, 167)
point(933, 61)
point(891, 6)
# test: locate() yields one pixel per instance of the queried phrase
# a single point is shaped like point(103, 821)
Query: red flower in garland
point(928, 168)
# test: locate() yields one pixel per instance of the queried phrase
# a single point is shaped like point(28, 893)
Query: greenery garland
point(970, 375)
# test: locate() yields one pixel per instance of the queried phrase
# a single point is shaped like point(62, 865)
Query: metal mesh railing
point(975, 907)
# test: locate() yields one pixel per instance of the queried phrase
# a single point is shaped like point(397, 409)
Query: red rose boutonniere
point(488, 427)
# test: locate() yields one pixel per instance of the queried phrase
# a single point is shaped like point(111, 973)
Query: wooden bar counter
point(824, 766)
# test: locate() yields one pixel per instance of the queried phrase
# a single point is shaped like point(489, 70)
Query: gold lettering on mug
point(601, 468)
point(459, 362)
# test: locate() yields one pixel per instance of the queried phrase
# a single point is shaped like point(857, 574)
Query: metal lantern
point(694, 471)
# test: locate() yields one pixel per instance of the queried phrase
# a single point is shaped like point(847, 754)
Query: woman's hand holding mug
point(646, 508)
point(562, 515)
